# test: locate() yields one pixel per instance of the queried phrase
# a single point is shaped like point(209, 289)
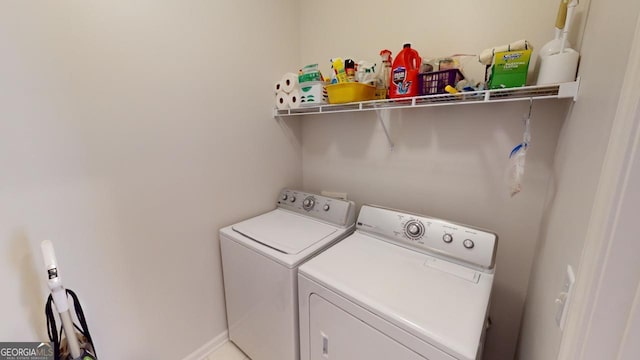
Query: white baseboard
point(209, 348)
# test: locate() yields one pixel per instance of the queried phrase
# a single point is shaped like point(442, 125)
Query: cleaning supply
point(309, 73)
point(339, 70)
point(487, 55)
point(366, 73)
point(447, 64)
point(451, 90)
point(404, 73)
point(382, 88)
point(555, 45)
point(517, 158)
point(350, 70)
point(78, 344)
point(426, 66)
point(560, 66)
point(510, 69)
point(311, 89)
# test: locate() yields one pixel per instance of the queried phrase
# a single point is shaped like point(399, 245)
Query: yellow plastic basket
point(350, 92)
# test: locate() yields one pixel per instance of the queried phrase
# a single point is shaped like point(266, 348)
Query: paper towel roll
point(559, 67)
point(277, 87)
point(289, 82)
point(282, 100)
point(294, 99)
point(520, 45)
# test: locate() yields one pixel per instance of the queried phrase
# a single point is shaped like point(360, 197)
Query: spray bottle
point(339, 70)
point(382, 88)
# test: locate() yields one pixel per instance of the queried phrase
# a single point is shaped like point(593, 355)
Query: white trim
point(630, 348)
point(209, 348)
point(596, 256)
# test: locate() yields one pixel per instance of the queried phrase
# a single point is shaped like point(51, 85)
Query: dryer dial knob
point(292, 199)
point(448, 238)
point(326, 207)
point(468, 243)
point(284, 197)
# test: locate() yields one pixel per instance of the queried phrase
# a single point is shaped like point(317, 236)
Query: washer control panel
point(335, 211)
point(462, 243)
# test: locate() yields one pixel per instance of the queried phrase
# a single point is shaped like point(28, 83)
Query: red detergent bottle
point(404, 73)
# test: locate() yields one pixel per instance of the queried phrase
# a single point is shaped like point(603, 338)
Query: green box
point(510, 69)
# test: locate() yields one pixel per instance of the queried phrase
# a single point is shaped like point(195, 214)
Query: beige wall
point(577, 166)
point(130, 132)
point(449, 162)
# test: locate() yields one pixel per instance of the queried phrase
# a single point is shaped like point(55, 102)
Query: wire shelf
point(554, 91)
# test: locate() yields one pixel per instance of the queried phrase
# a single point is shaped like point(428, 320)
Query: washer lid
point(286, 232)
point(440, 302)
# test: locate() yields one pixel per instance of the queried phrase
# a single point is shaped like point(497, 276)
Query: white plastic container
point(312, 93)
point(558, 68)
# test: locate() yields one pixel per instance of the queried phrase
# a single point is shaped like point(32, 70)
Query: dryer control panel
point(334, 211)
point(460, 243)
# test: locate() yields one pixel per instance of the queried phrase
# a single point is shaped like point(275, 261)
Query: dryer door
point(337, 335)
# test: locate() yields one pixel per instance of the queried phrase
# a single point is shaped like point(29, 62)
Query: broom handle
point(72, 340)
point(570, 8)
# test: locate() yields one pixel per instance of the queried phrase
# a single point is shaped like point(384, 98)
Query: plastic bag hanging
point(517, 157)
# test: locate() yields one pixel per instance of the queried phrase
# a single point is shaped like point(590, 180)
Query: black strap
point(52, 328)
point(83, 321)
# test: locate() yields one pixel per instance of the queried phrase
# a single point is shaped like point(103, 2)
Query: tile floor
point(228, 351)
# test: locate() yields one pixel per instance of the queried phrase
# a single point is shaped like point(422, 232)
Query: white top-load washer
point(402, 287)
point(260, 259)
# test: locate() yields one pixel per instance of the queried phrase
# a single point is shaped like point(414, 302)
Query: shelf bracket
point(384, 118)
point(569, 90)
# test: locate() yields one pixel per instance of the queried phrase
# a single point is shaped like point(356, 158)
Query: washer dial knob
point(284, 197)
point(414, 229)
point(292, 199)
point(448, 238)
point(468, 243)
point(308, 203)
point(326, 207)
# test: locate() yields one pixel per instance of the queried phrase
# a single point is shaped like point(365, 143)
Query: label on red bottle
point(402, 86)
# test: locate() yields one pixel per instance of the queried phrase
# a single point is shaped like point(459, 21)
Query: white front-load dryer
point(260, 259)
point(402, 287)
